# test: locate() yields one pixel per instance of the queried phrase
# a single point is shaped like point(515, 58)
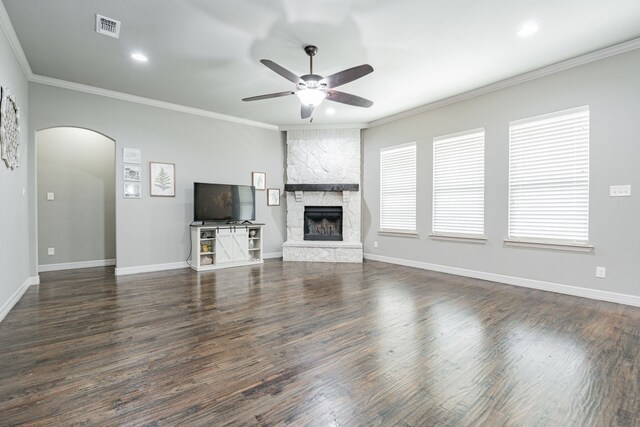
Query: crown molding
point(146, 101)
point(597, 55)
point(512, 81)
point(502, 84)
point(9, 31)
point(322, 127)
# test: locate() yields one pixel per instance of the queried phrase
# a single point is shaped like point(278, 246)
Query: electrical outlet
point(620, 190)
point(601, 272)
point(51, 251)
point(375, 244)
point(50, 196)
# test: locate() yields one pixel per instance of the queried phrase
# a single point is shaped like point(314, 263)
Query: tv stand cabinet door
point(224, 246)
point(240, 238)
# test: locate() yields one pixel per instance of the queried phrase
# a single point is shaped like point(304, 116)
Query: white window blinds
point(458, 184)
point(398, 188)
point(549, 178)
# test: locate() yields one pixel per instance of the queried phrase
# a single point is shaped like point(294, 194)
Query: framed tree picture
point(162, 179)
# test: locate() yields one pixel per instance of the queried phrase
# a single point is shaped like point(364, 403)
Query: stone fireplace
point(323, 196)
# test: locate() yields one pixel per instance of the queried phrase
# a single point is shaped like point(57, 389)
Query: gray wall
point(612, 89)
point(154, 230)
point(14, 219)
point(78, 166)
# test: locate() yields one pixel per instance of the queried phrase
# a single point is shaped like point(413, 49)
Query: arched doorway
point(75, 199)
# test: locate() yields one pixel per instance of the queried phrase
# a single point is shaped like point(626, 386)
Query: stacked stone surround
point(323, 157)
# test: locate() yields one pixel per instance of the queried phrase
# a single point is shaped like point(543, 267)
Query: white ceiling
point(205, 54)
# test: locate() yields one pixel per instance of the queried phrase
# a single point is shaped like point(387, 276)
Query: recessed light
point(139, 57)
point(528, 29)
point(330, 111)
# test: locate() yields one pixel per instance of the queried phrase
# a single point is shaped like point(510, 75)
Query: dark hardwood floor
point(314, 344)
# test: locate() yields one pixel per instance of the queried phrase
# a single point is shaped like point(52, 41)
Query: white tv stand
point(225, 245)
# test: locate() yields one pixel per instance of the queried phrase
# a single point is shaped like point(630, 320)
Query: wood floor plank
point(314, 344)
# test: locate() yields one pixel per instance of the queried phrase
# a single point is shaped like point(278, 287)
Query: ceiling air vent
point(107, 26)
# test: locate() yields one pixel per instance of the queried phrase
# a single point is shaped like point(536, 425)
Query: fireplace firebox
point(323, 223)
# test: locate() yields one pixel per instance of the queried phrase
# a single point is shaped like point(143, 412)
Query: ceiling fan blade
point(268, 95)
point(346, 76)
point(306, 111)
point(347, 98)
point(281, 70)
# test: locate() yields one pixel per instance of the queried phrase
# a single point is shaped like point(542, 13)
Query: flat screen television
point(223, 202)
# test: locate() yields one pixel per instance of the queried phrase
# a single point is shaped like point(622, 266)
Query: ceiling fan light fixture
point(311, 96)
point(311, 89)
point(139, 57)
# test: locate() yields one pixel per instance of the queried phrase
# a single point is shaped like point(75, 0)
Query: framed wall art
point(162, 178)
point(259, 180)
point(132, 190)
point(9, 129)
point(273, 197)
point(131, 172)
point(131, 155)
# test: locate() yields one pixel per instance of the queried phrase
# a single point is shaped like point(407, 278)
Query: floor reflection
point(398, 342)
point(315, 344)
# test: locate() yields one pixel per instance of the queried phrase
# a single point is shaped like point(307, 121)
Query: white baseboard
point(13, 299)
point(170, 266)
point(577, 291)
point(272, 255)
point(75, 265)
point(123, 271)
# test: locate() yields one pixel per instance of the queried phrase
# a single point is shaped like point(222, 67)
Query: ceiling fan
point(312, 89)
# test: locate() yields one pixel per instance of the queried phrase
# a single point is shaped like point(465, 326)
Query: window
point(549, 178)
point(398, 188)
point(458, 184)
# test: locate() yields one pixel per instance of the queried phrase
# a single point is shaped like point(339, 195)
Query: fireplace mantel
point(321, 187)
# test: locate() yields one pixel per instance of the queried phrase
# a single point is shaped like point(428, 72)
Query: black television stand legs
point(246, 221)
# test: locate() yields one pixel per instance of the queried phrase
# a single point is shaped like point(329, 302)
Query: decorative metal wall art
point(9, 129)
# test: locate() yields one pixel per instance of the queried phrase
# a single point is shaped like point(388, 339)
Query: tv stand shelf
point(222, 245)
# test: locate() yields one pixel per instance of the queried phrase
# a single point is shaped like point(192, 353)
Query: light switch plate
point(50, 196)
point(620, 191)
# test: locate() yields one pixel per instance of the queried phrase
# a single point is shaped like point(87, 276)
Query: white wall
point(611, 88)
point(14, 219)
point(154, 230)
point(78, 167)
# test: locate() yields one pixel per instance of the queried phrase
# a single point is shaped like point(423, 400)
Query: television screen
point(223, 202)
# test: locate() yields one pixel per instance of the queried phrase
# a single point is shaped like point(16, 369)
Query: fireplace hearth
point(323, 223)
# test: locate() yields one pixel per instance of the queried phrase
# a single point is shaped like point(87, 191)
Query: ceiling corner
point(7, 28)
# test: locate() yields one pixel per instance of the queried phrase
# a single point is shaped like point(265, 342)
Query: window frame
point(458, 236)
point(550, 242)
point(399, 231)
